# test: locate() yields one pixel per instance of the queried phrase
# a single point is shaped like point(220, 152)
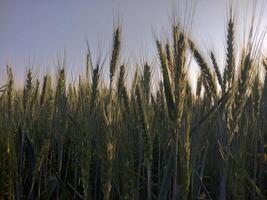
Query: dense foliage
point(90, 141)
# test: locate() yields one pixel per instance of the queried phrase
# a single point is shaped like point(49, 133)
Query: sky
point(39, 32)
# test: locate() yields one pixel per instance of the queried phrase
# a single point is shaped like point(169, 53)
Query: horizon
point(40, 33)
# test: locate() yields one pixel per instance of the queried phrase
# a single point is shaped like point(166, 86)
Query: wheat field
point(60, 140)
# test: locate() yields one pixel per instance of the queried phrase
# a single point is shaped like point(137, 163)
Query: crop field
point(145, 139)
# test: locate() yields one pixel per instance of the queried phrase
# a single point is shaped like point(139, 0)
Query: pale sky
point(40, 30)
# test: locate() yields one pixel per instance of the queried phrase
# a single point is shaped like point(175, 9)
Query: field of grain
point(60, 140)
